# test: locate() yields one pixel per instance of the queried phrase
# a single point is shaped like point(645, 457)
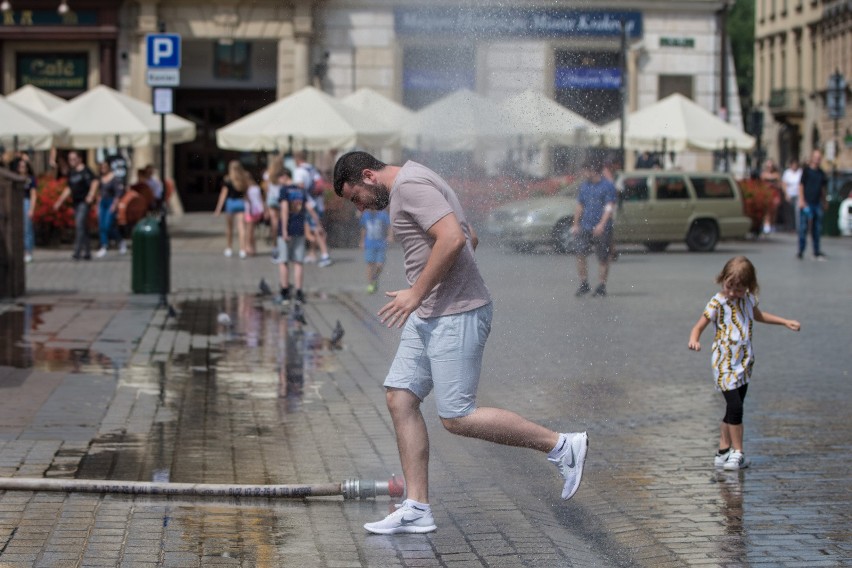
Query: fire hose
point(349, 489)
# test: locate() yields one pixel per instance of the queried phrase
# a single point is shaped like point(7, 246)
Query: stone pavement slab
point(110, 387)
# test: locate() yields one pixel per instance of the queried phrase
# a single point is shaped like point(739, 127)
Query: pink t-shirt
point(420, 198)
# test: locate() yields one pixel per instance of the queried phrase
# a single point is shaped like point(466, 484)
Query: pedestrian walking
point(374, 241)
point(812, 196)
point(592, 226)
point(770, 176)
point(234, 186)
point(111, 192)
point(272, 183)
point(446, 313)
point(307, 177)
point(25, 170)
point(255, 211)
point(294, 210)
point(82, 188)
point(732, 311)
point(791, 178)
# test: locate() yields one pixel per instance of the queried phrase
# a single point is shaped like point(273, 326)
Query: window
point(671, 84)
point(712, 187)
point(232, 60)
point(634, 189)
point(673, 187)
point(430, 73)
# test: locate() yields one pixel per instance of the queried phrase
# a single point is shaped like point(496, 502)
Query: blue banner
point(515, 22)
point(438, 79)
point(588, 78)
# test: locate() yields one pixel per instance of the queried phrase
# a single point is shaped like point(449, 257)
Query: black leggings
point(734, 410)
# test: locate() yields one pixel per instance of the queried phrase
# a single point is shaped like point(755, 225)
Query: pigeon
point(265, 290)
point(299, 314)
point(223, 319)
point(336, 335)
point(171, 312)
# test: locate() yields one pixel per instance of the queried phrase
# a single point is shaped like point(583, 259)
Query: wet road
point(101, 385)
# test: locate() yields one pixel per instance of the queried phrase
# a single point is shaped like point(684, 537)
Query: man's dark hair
point(595, 164)
point(350, 169)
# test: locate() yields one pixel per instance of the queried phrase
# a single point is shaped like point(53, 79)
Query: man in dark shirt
point(82, 188)
point(811, 199)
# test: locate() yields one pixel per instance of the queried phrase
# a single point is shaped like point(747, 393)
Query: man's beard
point(381, 196)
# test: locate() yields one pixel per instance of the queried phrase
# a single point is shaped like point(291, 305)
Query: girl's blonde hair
point(238, 176)
point(275, 168)
point(739, 270)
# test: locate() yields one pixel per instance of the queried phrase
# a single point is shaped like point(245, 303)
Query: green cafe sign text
point(54, 72)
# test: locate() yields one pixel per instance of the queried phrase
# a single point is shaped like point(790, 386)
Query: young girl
point(733, 311)
point(231, 200)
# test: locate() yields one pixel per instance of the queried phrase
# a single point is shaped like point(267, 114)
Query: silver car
point(655, 208)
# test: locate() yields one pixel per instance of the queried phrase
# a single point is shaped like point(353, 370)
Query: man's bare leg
point(503, 427)
point(412, 439)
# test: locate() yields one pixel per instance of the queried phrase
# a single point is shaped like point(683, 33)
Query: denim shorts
point(290, 251)
point(444, 353)
point(234, 205)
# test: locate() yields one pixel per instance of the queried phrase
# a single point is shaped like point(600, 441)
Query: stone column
point(303, 31)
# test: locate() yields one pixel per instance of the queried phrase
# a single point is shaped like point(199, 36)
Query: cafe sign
point(54, 72)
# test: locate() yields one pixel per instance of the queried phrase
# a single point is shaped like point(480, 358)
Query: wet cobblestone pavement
point(99, 384)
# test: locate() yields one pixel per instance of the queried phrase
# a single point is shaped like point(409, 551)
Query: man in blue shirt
point(811, 198)
point(593, 225)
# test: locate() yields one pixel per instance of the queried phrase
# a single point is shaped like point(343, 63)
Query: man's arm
point(474, 238)
point(449, 242)
point(93, 191)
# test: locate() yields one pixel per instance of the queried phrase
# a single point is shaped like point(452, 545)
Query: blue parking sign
point(163, 51)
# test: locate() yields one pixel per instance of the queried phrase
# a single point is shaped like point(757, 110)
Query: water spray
point(349, 489)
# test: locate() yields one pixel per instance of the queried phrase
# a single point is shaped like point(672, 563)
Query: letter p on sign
point(163, 51)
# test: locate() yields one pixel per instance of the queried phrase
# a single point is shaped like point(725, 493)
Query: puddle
point(233, 385)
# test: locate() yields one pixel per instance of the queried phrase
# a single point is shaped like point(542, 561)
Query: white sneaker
point(719, 460)
point(325, 261)
point(242, 254)
point(122, 247)
point(28, 258)
point(570, 462)
point(736, 461)
point(229, 253)
point(407, 518)
point(310, 259)
point(101, 252)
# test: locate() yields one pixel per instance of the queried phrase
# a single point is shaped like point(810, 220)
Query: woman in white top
point(791, 178)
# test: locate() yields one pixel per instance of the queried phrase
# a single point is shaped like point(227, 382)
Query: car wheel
point(563, 238)
point(703, 236)
point(657, 246)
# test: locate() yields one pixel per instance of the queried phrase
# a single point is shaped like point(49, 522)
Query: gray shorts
point(586, 241)
point(291, 251)
point(444, 353)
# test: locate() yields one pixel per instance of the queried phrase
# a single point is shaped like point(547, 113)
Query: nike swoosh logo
point(405, 521)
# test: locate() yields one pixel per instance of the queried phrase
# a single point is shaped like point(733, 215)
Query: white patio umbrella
point(540, 119)
point(23, 128)
point(379, 107)
point(104, 117)
point(460, 121)
point(675, 124)
point(307, 119)
point(35, 99)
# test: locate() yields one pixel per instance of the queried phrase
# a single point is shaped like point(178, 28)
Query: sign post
point(835, 102)
point(164, 59)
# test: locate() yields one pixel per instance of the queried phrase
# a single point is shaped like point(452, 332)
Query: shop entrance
point(200, 165)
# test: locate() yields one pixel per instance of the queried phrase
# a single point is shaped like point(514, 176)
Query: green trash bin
point(150, 257)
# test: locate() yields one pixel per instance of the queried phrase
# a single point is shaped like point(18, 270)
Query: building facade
point(571, 51)
point(799, 44)
point(239, 56)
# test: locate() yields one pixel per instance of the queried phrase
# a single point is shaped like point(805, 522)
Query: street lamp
point(63, 8)
point(5, 6)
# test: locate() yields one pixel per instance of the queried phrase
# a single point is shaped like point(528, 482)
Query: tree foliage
point(741, 33)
